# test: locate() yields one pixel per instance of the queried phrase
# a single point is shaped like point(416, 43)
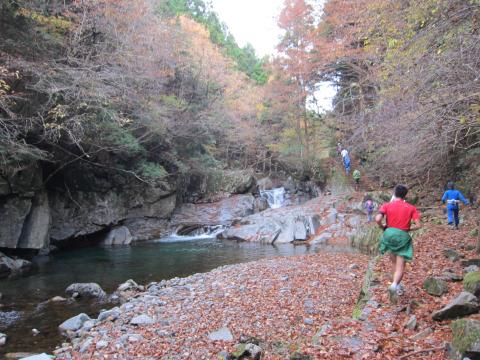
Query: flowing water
point(275, 197)
point(24, 299)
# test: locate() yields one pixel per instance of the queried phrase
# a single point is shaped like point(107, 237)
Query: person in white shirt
point(344, 153)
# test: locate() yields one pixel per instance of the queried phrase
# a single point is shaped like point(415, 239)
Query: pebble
point(35, 332)
point(142, 319)
point(102, 344)
point(308, 321)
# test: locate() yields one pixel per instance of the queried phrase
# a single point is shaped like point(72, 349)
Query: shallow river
point(22, 308)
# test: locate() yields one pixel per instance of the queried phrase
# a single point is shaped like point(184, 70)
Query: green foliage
point(151, 171)
point(245, 58)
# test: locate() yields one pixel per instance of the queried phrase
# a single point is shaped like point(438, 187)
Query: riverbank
point(283, 302)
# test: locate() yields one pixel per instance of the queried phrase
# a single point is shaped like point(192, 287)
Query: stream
point(24, 306)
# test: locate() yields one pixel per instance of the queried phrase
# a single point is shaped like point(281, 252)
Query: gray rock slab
point(42, 356)
point(222, 334)
point(142, 319)
point(75, 323)
point(464, 304)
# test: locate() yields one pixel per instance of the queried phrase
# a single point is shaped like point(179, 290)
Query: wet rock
point(111, 314)
point(435, 286)
point(464, 304)
point(35, 332)
point(466, 338)
point(261, 204)
point(128, 285)
point(118, 236)
point(73, 324)
point(471, 282)
point(8, 318)
point(411, 323)
point(3, 339)
point(222, 334)
point(141, 320)
point(58, 299)
point(11, 266)
point(88, 290)
point(451, 254)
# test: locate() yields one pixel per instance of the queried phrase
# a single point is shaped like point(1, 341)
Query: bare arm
point(417, 225)
point(379, 220)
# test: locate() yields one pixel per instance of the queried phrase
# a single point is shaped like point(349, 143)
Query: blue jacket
point(453, 197)
point(346, 161)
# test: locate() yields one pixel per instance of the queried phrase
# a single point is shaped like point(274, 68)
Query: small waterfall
point(201, 233)
point(275, 197)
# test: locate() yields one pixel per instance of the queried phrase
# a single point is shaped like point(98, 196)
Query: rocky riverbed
point(280, 303)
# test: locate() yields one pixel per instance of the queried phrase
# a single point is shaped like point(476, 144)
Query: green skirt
point(397, 242)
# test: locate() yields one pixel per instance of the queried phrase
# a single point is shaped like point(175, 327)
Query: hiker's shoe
point(400, 290)
point(392, 294)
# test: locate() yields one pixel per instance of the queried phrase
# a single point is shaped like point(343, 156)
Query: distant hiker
point(344, 153)
point(339, 148)
point(396, 239)
point(453, 197)
point(346, 163)
point(369, 207)
point(356, 177)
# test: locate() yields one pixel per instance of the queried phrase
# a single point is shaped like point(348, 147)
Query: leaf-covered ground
point(282, 301)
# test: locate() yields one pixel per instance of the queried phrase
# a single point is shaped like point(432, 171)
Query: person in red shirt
point(399, 215)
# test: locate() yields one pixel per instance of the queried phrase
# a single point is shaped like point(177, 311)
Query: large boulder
point(13, 212)
point(464, 304)
point(471, 283)
point(265, 183)
point(87, 290)
point(118, 236)
point(73, 324)
point(466, 339)
point(274, 227)
point(435, 286)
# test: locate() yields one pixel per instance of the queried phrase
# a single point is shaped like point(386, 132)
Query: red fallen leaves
point(262, 302)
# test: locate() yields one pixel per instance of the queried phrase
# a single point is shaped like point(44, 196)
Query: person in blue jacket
point(453, 197)
point(346, 163)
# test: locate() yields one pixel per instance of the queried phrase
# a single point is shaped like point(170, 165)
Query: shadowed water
point(144, 262)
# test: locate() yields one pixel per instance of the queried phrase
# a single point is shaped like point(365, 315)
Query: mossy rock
point(367, 239)
point(435, 286)
point(239, 351)
point(451, 254)
point(437, 221)
point(299, 356)
point(471, 282)
point(466, 337)
point(473, 232)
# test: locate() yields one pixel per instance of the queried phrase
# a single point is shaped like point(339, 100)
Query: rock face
point(435, 286)
point(218, 213)
point(118, 236)
point(466, 339)
point(88, 290)
point(464, 304)
point(222, 334)
point(90, 212)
